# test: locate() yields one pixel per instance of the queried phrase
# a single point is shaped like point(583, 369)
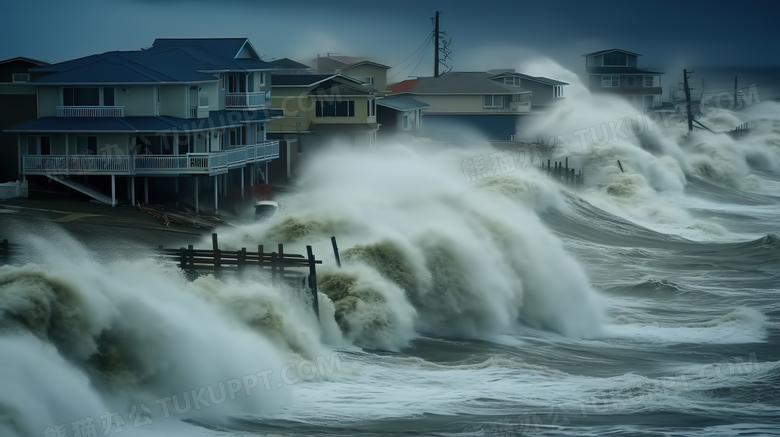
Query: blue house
point(183, 116)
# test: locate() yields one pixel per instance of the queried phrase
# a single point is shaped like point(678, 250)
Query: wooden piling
point(281, 256)
point(313, 281)
point(215, 248)
point(336, 247)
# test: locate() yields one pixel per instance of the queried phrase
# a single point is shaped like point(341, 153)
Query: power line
point(418, 63)
point(421, 56)
point(418, 49)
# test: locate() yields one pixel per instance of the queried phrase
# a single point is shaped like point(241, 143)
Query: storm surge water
point(643, 302)
point(427, 252)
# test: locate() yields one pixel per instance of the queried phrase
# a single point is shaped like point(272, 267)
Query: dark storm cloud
point(484, 34)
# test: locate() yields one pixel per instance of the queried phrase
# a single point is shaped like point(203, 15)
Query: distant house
point(181, 116)
point(321, 109)
point(369, 73)
point(400, 113)
point(615, 71)
point(489, 101)
point(288, 66)
point(18, 103)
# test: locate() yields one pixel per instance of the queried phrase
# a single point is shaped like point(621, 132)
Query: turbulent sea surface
point(645, 303)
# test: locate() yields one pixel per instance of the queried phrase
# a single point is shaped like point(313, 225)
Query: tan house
point(369, 73)
point(319, 110)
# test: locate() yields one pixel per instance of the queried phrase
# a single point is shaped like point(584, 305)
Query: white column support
point(267, 175)
point(146, 190)
point(20, 170)
point(132, 189)
point(113, 191)
point(216, 194)
point(242, 182)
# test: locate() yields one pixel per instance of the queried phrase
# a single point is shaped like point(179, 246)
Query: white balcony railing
point(244, 100)
point(77, 164)
point(195, 163)
point(520, 106)
point(90, 111)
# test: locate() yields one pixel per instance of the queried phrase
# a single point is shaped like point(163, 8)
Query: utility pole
point(436, 46)
point(688, 99)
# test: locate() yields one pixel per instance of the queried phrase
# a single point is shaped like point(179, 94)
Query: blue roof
point(168, 60)
point(215, 120)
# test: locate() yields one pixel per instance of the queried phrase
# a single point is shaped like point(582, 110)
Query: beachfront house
point(181, 120)
point(321, 110)
point(369, 73)
point(399, 113)
point(616, 71)
point(18, 104)
point(490, 102)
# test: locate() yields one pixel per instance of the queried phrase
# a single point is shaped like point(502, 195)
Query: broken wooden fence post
point(336, 247)
point(215, 248)
point(313, 281)
point(281, 260)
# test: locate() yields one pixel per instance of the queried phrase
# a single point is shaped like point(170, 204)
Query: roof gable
point(31, 61)
point(601, 52)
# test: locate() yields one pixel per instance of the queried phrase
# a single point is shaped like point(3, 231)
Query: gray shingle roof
point(288, 64)
point(298, 79)
point(463, 83)
point(401, 102)
point(620, 70)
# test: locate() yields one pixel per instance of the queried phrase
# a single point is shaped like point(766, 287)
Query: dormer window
point(20, 77)
point(615, 59)
point(512, 81)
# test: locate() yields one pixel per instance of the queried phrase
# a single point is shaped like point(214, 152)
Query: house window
point(261, 79)
point(408, 117)
point(615, 59)
point(20, 77)
point(38, 145)
point(81, 96)
point(557, 91)
point(237, 136)
point(86, 145)
point(512, 81)
point(222, 81)
point(493, 101)
point(648, 80)
point(610, 81)
point(371, 108)
point(366, 80)
point(108, 96)
point(335, 109)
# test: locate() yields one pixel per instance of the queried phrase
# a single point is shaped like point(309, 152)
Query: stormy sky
point(484, 34)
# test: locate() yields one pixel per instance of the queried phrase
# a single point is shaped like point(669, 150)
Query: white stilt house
point(183, 116)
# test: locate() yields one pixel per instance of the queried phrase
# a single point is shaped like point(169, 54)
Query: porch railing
point(244, 100)
point(153, 164)
point(90, 111)
point(77, 164)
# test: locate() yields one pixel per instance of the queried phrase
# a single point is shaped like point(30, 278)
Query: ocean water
point(646, 302)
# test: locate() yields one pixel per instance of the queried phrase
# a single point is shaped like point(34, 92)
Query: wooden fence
point(563, 173)
point(280, 263)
